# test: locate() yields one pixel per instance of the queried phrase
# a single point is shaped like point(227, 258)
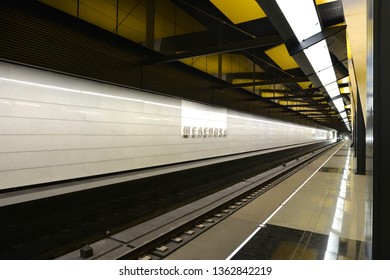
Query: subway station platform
point(317, 213)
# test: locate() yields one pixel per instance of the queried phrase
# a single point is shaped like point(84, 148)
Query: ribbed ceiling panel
point(37, 41)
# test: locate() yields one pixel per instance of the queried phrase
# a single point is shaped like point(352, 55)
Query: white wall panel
point(55, 127)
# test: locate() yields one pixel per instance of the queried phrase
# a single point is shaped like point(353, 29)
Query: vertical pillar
point(117, 17)
point(380, 115)
point(220, 66)
point(150, 7)
point(360, 139)
point(354, 135)
point(220, 58)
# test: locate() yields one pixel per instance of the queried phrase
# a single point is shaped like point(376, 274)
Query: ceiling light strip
point(303, 20)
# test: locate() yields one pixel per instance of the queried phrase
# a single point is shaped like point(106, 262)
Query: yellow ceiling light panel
point(320, 2)
point(280, 55)
point(239, 11)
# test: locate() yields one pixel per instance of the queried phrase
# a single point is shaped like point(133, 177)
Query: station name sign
point(194, 131)
point(202, 121)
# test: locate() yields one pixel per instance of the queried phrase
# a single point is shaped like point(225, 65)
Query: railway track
point(159, 237)
point(112, 218)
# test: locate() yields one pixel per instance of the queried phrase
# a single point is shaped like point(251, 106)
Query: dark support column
point(361, 139)
point(220, 66)
point(117, 17)
point(150, 24)
point(381, 129)
point(354, 136)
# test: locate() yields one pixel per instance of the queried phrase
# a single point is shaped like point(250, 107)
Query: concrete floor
point(329, 207)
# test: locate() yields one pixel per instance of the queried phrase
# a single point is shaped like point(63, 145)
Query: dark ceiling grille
point(30, 37)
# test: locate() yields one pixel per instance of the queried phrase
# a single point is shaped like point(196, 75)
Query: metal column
point(360, 139)
point(381, 128)
point(150, 7)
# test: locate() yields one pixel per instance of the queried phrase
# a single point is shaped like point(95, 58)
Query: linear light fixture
point(318, 55)
point(302, 17)
point(327, 76)
point(304, 22)
point(339, 104)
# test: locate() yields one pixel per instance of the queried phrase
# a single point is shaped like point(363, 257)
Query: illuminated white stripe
point(88, 93)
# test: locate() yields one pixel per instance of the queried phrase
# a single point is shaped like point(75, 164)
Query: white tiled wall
point(55, 127)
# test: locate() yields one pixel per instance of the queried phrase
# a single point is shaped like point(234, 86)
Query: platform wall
point(55, 127)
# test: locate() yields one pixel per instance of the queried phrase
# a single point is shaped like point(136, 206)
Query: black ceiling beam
point(262, 75)
point(343, 85)
point(278, 20)
point(328, 117)
point(314, 110)
point(264, 83)
point(278, 91)
point(326, 33)
point(331, 13)
point(187, 42)
point(338, 66)
point(249, 75)
point(308, 105)
point(289, 97)
point(292, 91)
point(267, 64)
point(320, 114)
point(230, 47)
point(294, 106)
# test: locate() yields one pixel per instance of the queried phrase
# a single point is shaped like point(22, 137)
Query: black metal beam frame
point(315, 110)
point(326, 33)
point(308, 105)
point(339, 66)
point(249, 75)
point(296, 72)
point(225, 48)
point(264, 83)
point(378, 118)
point(343, 85)
point(288, 97)
point(294, 47)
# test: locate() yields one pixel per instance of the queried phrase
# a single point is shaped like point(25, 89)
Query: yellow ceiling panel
point(268, 94)
point(320, 2)
point(304, 85)
point(69, 7)
point(345, 90)
point(239, 11)
point(344, 80)
point(241, 81)
point(280, 55)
